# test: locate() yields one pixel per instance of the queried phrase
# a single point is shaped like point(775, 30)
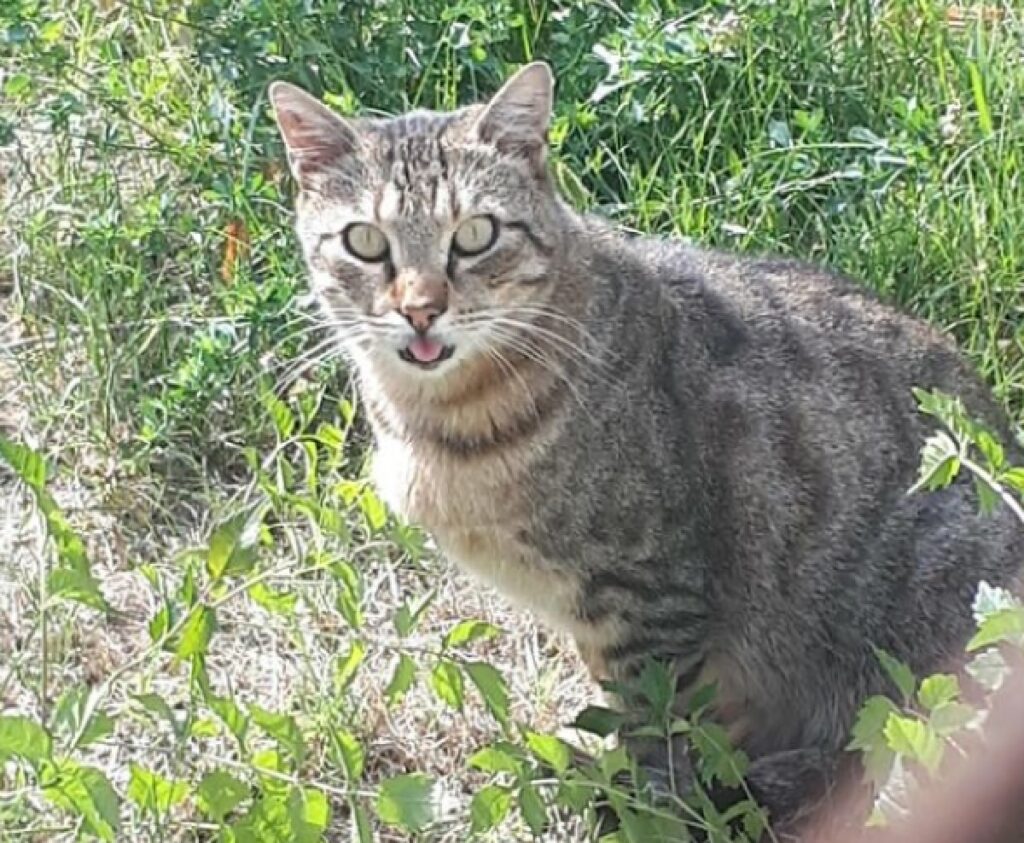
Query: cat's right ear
point(317, 139)
point(516, 119)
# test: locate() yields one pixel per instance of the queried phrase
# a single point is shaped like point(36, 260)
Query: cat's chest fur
point(478, 512)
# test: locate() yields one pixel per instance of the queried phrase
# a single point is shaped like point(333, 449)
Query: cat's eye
point(365, 241)
point(475, 236)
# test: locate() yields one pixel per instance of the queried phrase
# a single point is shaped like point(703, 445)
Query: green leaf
point(989, 669)
point(352, 755)
point(549, 749)
point(29, 465)
point(990, 599)
point(991, 450)
point(265, 760)
point(17, 84)
point(497, 758)
point(284, 419)
point(870, 723)
point(330, 436)
point(86, 793)
point(279, 602)
point(598, 720)
point(401, 679)
point(574, 795)
point(614, 762)
point(346, 666)
point(204, 727)
point(901, 675)
point(219, 793)
point(988, 498)
point(489, 806)
point(940, 463)
point(1014, 478)
point(407, 802)
point(154, 793)
point(160, 624)
point(531, 806)
point(403, 620)
point(80, 586)
point(194, 638)
point(716, 757)
point(937, 690)
point(155, 704)
point(232, 548)
point(363, 827)
point(22, 737)
point(283, 728)
point(465, 632)
point(297, 815)
point(310, 813)
point(1002, 625)
point(915, 739)
point(348, 603)
point(492, 688)
point(409, 615)
point(948, 718)
point(77, 716)
point(980, 98)
point(373, 509)
point(230, 715)
point(75, 581)
point(447, 682)
point(701, 699)
point(100, 725)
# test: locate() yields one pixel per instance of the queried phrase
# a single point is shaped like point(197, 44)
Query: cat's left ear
point(318, 140)
point(517, 117)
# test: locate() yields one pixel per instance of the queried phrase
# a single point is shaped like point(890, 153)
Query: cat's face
point(431, 237)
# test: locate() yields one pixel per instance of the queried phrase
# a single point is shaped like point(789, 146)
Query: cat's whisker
point(507, 366)
point(507, 316)
point(316, 352)
point(555, 340)
point(520, 344)
point(548, 312)
point(311, 353)
point(295, 373)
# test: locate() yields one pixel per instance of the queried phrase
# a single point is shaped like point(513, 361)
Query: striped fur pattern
point(667, 451)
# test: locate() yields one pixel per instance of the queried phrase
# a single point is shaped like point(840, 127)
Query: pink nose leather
point(421, 298)
point(421, 318)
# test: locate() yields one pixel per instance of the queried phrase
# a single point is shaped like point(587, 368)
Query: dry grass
point(134, 335)
point(276, 663)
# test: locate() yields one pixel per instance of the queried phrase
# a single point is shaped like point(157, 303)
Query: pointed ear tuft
point(318, 140)
point(517, 117)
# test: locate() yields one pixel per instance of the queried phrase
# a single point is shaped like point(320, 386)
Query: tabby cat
point(668, 452)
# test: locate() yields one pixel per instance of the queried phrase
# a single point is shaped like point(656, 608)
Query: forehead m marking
point(418, 171)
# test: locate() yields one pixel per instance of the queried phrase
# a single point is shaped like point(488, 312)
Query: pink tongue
point(425, 350)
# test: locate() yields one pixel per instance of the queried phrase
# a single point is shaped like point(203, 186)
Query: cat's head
point(431, 238)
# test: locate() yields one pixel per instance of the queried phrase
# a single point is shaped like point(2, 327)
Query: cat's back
point(801, 334)
point(807, 438)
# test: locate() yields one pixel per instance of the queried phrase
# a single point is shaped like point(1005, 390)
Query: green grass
point(155, 348)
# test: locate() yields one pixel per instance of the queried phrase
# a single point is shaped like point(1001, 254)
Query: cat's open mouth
point(426, 353)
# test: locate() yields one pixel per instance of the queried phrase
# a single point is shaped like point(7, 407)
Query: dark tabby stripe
point(538, 244)
point(628, 657)
point(442, 155)
point(380, 418)
point(533, 418)
point(651, 584)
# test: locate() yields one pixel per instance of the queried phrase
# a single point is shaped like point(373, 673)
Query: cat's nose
point(421, 299)
point(422, 317)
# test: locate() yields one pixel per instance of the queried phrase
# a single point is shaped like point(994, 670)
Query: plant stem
point(1005, 496)
point(44, 651)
